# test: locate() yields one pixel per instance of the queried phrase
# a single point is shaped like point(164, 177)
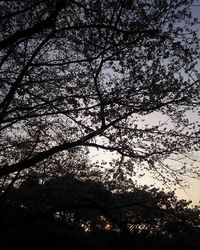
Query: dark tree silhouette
point(66, 208)
point(84, 73)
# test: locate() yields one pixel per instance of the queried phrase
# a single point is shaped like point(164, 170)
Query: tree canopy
point(67, 212)
point(116, 75)
point(83, 74)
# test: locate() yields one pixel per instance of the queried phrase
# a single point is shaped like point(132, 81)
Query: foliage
point(65, 210)
point(116, 75)
point(84, 74)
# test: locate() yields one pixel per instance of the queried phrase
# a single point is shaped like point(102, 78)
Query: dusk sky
point(189, 189)
point(100, 124)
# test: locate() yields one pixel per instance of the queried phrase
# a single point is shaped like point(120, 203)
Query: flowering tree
point(81, 74)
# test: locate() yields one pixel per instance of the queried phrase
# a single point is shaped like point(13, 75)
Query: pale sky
point(189, 193)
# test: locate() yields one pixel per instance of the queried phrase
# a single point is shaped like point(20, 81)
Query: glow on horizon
point(188, 190)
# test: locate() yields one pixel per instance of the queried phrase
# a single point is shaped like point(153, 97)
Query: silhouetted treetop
point(67, 207)
point(119, 76)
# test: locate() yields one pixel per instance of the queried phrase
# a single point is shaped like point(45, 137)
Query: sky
point(193, 191)
point(189, 189)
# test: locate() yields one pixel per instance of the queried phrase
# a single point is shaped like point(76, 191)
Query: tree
point(82, 74)
point(68, 212)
